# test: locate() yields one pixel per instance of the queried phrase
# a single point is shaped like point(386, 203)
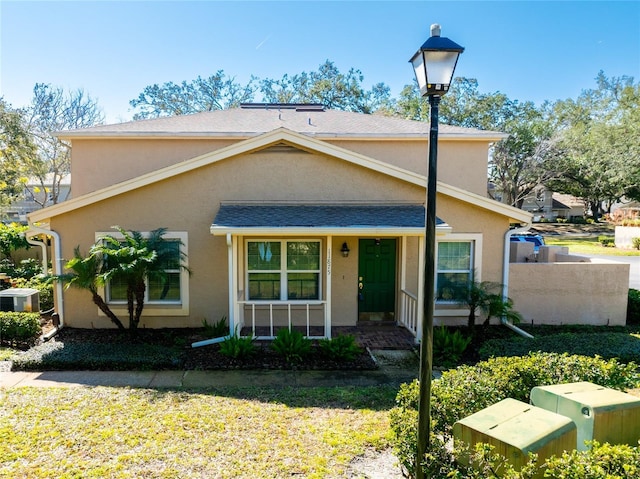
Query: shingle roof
point(320, 216)
point(247, 122)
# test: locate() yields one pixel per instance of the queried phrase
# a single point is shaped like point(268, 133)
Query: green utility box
point(515, 429)
point(600, 413)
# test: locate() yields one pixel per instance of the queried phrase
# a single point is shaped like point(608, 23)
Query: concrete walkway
point(396, 367)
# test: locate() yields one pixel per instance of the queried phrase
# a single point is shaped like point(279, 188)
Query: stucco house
point(289, 214)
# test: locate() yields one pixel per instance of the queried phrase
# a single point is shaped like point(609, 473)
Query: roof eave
point(324, 231)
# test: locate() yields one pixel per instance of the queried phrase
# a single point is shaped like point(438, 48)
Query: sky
point(529, 50)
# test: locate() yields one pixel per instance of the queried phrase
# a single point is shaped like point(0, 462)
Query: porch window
point(283, 270)
point(454, 269)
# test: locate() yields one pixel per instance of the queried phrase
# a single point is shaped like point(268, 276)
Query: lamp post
point(434, 65)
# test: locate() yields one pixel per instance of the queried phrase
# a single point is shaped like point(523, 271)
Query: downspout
point(56, 263)
point(505, 276)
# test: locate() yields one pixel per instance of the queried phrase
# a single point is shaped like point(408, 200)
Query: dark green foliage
point(26, 268)
point(608, 241)
point(340, 348)
point(217, 329)
point(633, 307)
point(448, 346)
point(599, 461)
point(635, 242)
point(292, 345)
point(625, 347)
point(19, 327)
point(96, 356)
point(469, 389)
point(238, 347)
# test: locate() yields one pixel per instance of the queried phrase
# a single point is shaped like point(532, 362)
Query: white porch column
point(421, 279)
point(231, 249)
point(327, 312)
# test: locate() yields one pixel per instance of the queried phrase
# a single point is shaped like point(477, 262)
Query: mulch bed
point(209, 357)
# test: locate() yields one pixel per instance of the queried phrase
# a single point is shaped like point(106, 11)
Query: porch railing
point(267, 329)
point(409, 311)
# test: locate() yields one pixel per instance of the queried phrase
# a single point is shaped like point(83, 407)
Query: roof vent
point(283, 106)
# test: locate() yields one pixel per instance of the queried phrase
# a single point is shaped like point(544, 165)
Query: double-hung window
point(166, 293)
point(454, 269)
point(285, 270)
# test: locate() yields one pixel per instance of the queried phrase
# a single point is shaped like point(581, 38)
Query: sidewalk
point(396, 367)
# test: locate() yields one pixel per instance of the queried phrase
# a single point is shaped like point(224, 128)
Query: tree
point(16, 146)
point(87, 273)
point(329, 87)
point(52, 110)
point(216, 92)
point(130, 260)
point(600, 135)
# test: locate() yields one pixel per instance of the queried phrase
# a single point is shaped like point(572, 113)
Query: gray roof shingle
point(248, 122)
point(320, 216)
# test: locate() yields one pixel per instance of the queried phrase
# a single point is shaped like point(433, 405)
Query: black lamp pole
point(434, 65)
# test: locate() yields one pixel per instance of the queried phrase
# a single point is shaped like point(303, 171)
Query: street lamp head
point(435, 63)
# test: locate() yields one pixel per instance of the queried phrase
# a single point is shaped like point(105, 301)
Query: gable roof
point(275, 137)
point(249, 121)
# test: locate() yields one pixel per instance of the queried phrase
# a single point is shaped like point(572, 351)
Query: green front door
point(377, 279)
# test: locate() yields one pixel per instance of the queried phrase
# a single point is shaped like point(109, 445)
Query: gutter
point(505, 276)
point(57, 267)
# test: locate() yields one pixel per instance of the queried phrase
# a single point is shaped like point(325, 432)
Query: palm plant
point(133, 259)
point(485, 296)
point(86, 273)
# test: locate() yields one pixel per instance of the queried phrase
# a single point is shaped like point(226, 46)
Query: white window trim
point(151, 308)
point(283, 269)
point(476, 256)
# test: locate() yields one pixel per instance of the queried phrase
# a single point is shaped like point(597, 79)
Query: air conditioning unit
point(20, 299)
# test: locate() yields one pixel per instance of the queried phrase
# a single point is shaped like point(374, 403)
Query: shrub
point(448, 346)
point(633, 307)
point(607, 241)
point(605, 344)
point(340, 348)
point(19, 327)
point(599, 461)
point(635, 242)
point(217, 329)
point(238, 347)
point(292, 345)
point(469, 389)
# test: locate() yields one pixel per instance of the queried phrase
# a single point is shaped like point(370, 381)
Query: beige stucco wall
point(189, 202)
point(96, 164)
point(570, 293)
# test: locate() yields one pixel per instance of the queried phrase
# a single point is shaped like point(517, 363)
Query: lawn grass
point(234, 433)
point(588, 245)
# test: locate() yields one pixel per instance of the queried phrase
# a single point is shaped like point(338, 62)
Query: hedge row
point(19, 327)
point(469, 389)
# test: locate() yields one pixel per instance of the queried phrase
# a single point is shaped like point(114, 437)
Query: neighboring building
point(544, 204)
point(288, 214)
point(34, 196)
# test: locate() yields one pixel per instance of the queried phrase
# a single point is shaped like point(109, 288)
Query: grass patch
point(587, 245)
point(256, 433)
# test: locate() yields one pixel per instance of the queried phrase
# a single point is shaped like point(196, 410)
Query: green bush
point(608, 345)
point(19, 327)
point(635, 242)
point(448, 346)
point(607, 241)
point(633, 307)
point(599, 461)
point(468, 389)
point(340, 348)
point(54, 355)
point(217, 329)
point(238, 347)
point(292, 345)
